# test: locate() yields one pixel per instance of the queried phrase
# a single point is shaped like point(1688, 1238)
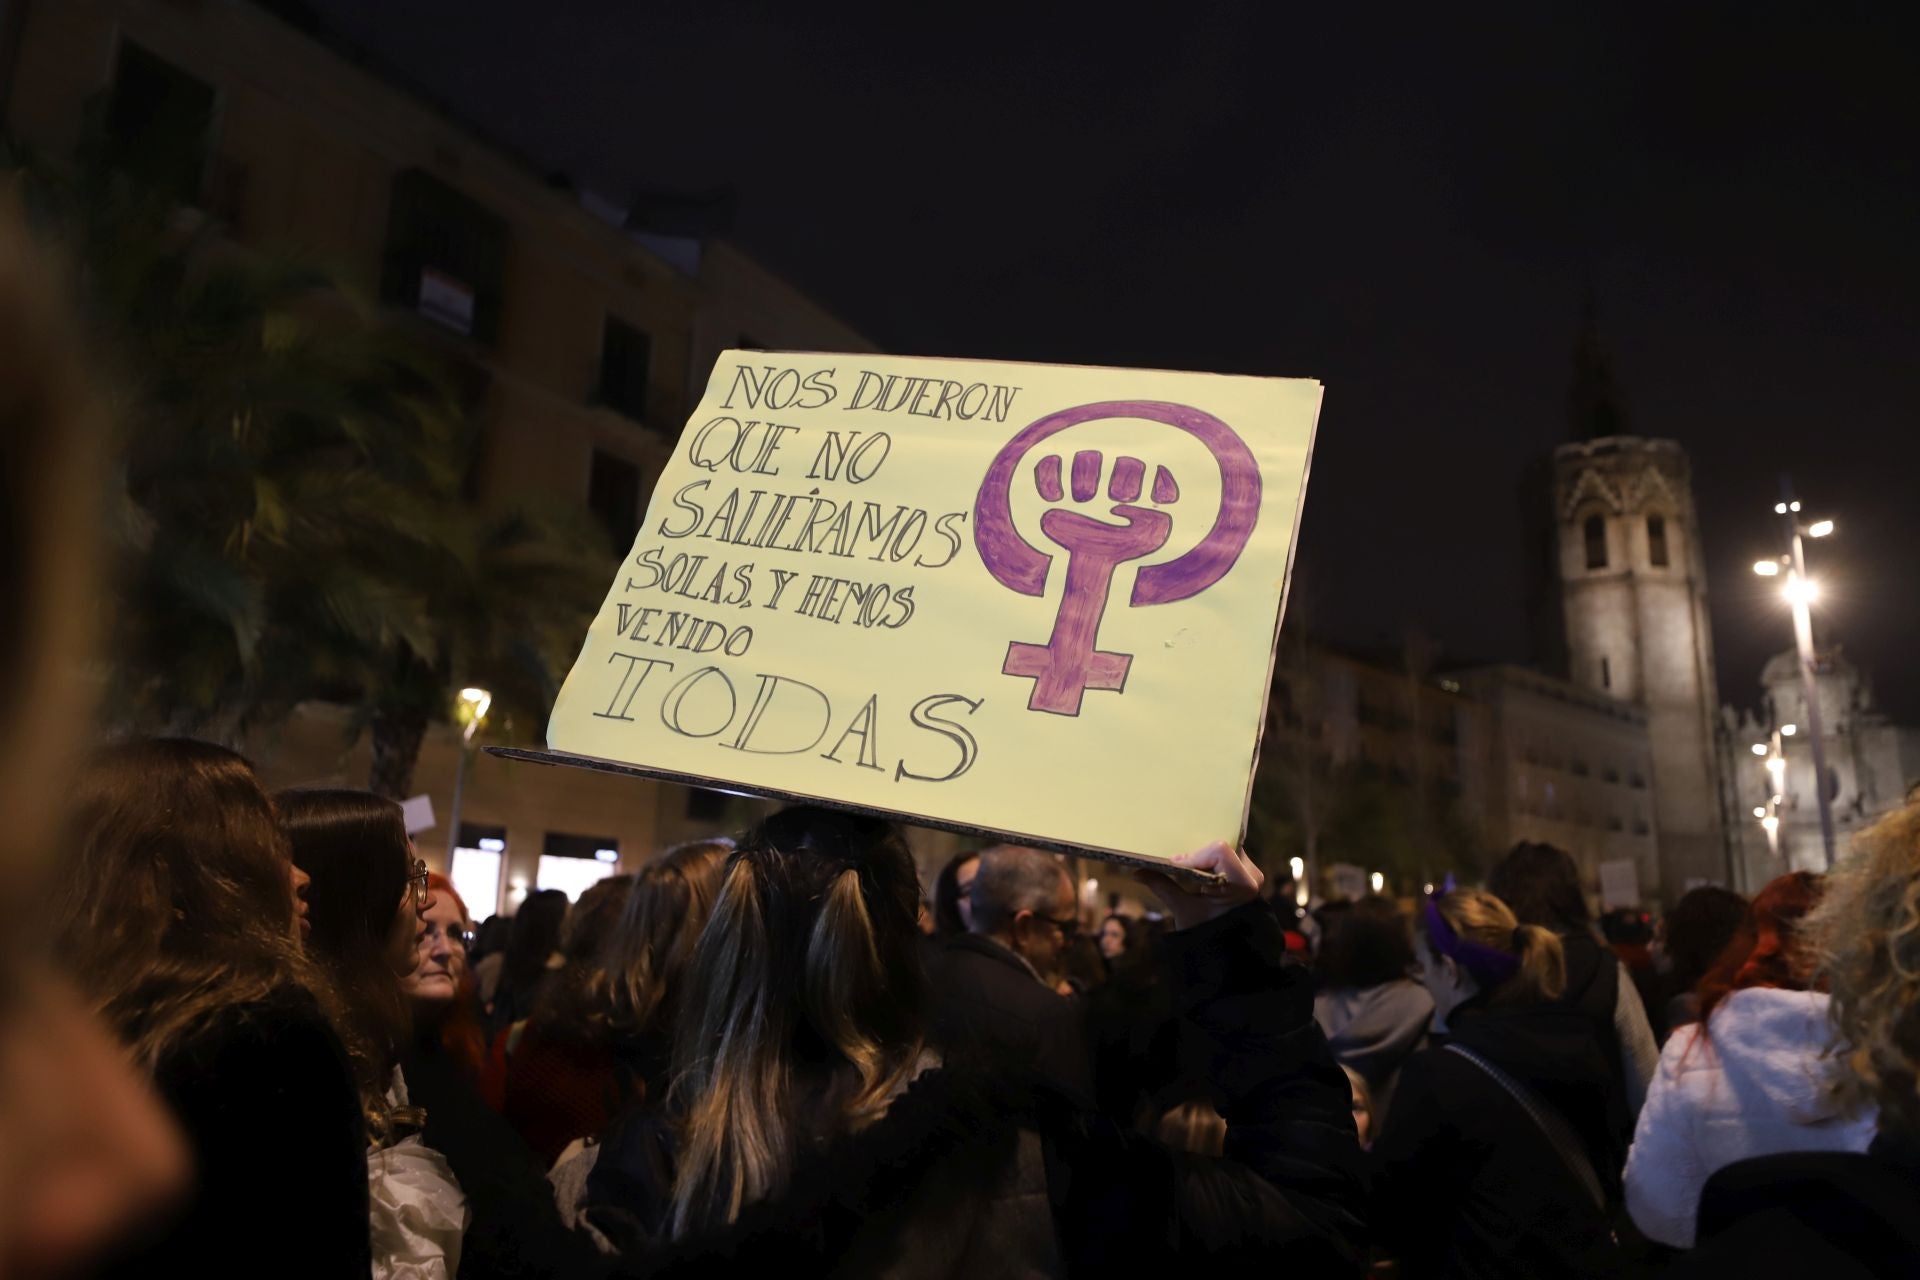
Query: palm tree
point(290, 508)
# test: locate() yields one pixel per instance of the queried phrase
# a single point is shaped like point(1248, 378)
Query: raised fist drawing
point(1097, 541)
point(1069, 663)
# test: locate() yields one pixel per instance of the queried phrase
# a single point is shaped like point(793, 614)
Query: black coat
point(1830, 1214)
point(268, 1101)
point(983, 1174)
point(513, 1228)
point(1594, 975)
point(1466, 1184)
point(987, 1003)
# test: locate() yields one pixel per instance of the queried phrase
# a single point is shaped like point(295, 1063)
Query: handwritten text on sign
point(1032, 599)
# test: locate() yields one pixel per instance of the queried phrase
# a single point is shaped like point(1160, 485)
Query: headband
point(1490, 966)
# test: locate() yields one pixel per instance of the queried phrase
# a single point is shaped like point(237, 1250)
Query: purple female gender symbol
point(1070, 662)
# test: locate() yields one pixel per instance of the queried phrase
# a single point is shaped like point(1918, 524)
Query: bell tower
point(1634, 590)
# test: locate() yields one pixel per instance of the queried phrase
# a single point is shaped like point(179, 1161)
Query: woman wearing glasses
point(515, 1228)
point(366, 896)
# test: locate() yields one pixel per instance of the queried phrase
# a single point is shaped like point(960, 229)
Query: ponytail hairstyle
point(801, 1018)
point(1514, 963)
point(1767, 950)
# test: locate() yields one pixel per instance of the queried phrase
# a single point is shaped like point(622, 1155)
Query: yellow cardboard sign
point(1033, 600)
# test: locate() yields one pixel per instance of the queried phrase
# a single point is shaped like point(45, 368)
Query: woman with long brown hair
point(812, 1127)
point(367, 892)
point(1757, 1075)
point(177, 909)
point(645, 962)
point(1500, 1156)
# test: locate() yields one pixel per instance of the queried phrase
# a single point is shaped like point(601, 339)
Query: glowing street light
point(1771, 823)
point(1759, 811)
point(1800, 591)
point(1379, 882)
point(1298, 867)
point(1760, 748)
point(1788, 730)
point(1777, 767)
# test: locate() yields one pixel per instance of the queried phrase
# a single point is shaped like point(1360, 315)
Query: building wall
point(1638, 630)
point(1570, 768)
point(1871, 763)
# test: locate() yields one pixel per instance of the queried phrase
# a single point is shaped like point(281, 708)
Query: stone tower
point(1634, 591)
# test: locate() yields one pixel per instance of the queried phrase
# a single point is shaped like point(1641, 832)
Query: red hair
point(460, 1034)
point(1767, 950)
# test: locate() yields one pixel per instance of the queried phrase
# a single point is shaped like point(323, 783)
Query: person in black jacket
point(1541, 884)
point(178, 910)
point(811, 1129)
point(1501, 1155)
point(1843, 1214)
point(993, 992)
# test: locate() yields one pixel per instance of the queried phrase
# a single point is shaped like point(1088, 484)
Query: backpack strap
point(1552, 1125)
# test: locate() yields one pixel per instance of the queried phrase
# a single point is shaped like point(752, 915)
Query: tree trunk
point(397, 735)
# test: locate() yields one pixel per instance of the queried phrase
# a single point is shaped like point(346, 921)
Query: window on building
point(613, 495)
point(446, 255)
point(1613, 775)
point(1580, 768)
point(626, 361)
point(1640, 827)
point(1606, 674)
point(573, 864)
point(479, 857)
point(1596, 535)
point(1614, 823)
point(1657, 541)
point(159, 123)
point(1637, 782)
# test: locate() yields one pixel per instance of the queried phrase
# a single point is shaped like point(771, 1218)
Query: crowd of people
point(254, 1033)
point(772, 1052)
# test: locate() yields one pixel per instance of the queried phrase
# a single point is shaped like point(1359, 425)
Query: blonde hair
point(1479, 919)
point(801, 1018)
point(1866, 935)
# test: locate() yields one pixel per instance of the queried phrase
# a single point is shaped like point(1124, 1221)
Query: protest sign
point(1036, 601)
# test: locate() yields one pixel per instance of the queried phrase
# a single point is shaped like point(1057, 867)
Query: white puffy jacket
point(1760, 1082)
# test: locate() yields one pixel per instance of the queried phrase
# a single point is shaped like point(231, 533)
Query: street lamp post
point(471, 710)
point(1800, 592)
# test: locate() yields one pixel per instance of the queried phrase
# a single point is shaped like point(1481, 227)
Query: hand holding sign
point(1238, 884)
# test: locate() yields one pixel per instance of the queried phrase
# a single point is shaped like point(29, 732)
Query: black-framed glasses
point(1069, 927)
point(417, 881)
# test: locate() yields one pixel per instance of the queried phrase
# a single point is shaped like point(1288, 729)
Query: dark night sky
point(1407, 206)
